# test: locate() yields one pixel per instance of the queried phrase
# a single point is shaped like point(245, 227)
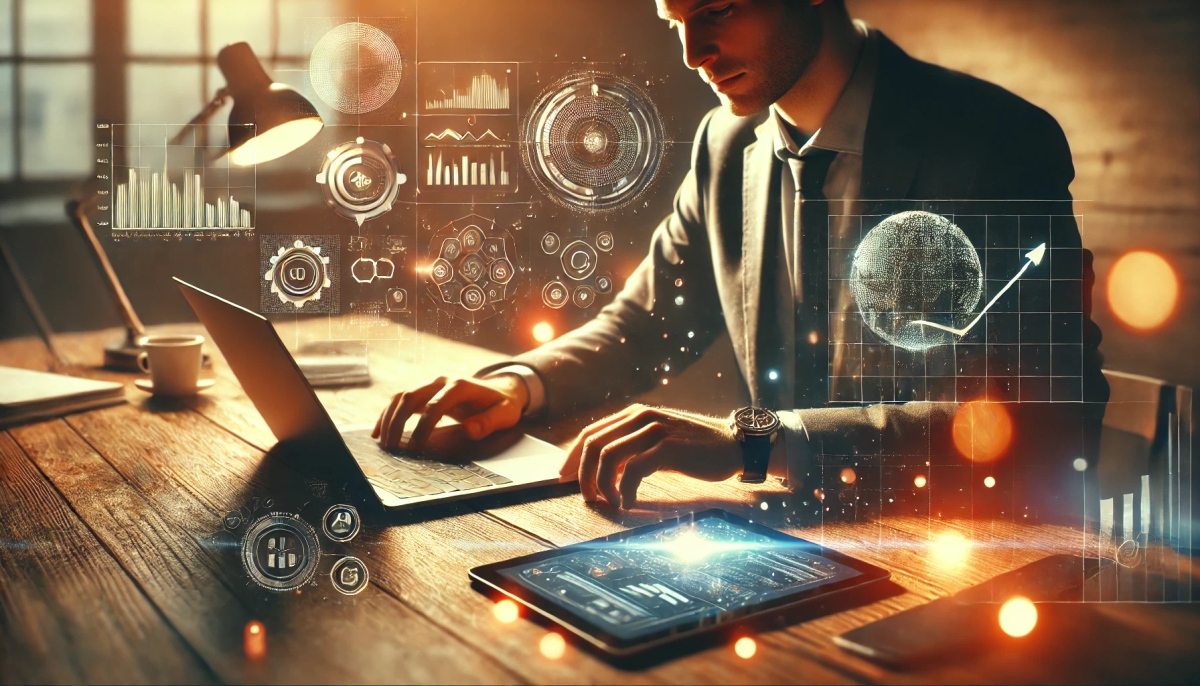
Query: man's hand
point(613, 455)
point(483, 406)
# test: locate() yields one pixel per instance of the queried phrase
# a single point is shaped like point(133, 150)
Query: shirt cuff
point(533, 384)
point(795, 441)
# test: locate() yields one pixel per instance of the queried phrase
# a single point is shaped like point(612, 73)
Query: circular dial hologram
point(360, 179)
point(473, 274)
point(355, 68)
point(593, 141)
point(298, 274)
point(280, 552)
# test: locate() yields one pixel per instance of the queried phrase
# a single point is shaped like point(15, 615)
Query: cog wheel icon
point(298, 273)
point(361, 179)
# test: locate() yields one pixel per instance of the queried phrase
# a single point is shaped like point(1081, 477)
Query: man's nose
point(698, 48)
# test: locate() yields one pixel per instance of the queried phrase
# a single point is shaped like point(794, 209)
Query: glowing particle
point(666, 381)
point(1018, 616)
point(848, 476)
point(691, 334)
point(819, 493)
point(989, 481)
point(505, 611)
point(745, 647)
point(543, 332)
point(718, 375)
point(950, 550)
point(772, 375)
point(812, 337)
point(254, 640)
point(1143, 289)
point(982, 430)
point(553, 646)
point(666, 367)
point(679, 300)
point(763, 505)
point(678, 283)
point(920, 481)
point(1079, 464)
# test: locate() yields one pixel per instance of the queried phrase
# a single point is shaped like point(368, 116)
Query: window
point(46, 86)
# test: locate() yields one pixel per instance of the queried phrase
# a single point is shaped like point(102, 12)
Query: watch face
point(756, 421)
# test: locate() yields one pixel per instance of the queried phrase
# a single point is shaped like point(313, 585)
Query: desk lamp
point(282, 119)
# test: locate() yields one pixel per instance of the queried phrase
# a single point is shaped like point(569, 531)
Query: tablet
point(641, 588)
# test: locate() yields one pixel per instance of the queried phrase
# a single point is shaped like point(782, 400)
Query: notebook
point(26, 395)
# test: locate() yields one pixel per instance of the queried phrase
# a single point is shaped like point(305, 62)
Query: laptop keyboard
point(410, 477)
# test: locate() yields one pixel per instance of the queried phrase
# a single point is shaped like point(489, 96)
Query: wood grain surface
point(113, 567)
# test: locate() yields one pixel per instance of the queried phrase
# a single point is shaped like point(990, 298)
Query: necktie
point(810, 277)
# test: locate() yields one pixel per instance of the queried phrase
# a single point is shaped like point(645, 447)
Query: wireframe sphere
point(916, 266)
point(355, 68)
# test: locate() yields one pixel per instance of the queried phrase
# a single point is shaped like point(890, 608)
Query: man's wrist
point(513, 384)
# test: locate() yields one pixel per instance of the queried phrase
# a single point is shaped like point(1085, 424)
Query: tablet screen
point(675, 577)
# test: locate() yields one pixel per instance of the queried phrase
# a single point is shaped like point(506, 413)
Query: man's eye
point(722, 11)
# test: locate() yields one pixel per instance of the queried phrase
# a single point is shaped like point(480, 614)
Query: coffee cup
point(173, 363)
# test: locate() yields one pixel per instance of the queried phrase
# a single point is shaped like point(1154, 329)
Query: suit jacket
point(949, 141)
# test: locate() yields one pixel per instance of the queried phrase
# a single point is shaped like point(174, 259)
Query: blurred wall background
point(1122, 78)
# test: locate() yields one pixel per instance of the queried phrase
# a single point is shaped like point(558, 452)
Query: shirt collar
point(846, 127)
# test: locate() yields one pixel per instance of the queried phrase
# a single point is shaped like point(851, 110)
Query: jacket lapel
point(894, 136)
point(758, 181)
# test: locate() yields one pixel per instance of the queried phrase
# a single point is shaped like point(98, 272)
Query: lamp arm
point(205, 114)
point(77, 212)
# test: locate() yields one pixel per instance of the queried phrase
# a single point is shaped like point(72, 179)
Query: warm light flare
point(1018, 616)
point(920, 481)
point(505, 611)
point(543, 332)
point(745, 647)
point(553, 646)
point(950, 551)
point(276, 142)
point(1143, 289)
point(982, 430)
point(989, 481)
point(254, 640)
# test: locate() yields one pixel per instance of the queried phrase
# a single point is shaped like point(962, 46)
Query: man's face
point(751, 52)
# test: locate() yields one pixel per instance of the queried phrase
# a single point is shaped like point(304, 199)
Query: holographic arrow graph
point(1033, 257)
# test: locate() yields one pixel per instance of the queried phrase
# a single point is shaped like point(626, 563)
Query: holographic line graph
point(1033, 257)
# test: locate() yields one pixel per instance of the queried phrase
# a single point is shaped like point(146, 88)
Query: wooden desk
point(107, 573)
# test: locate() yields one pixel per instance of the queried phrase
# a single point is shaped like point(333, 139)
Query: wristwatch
point(756, 430)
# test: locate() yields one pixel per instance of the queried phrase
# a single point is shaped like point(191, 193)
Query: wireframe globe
point(355, 68)
point(913, 267)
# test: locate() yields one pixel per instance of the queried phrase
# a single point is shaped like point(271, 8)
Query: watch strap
point(756, 457)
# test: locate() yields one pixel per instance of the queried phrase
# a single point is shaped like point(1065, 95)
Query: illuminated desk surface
point(106, 573)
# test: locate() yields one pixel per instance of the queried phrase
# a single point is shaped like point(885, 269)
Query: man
point(822, 119)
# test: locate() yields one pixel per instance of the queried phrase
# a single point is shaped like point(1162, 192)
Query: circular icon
point(579, 260)
point(583, 296)
point(604, 241)
point(472, 298)
point(471, 267)
point(298, 273)
point(341, 523)
point(603, 283)
point(233, 520)
point(355, 68)
point(349, 576)
point(441, 271)
point(280, 552)
point(555, 294)
point(593, 141)
point(501, 271)
point(360, 179)
point(363, 270)
point(472, 238)
point(451, 249)
point(550, 243)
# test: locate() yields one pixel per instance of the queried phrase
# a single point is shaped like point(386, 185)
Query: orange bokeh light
point(1018, 616)
point(506, 611)
point(553, 646)
point(982, 430)
point(745, 647)
point(848, 476)
point(254, 640)
point(543, 332)
point(920, 481)
point(1143, 289)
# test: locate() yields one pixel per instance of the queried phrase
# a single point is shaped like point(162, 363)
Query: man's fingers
point(570, 468)
point(452, 394)
point(379, 423)
point(502, 415)
point(403, 407)
point(589, 458)
point(638, 468)
point(614, 455)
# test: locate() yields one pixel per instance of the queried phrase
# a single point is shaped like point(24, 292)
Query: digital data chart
point(159, 188)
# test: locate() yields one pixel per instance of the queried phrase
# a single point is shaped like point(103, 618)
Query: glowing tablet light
point(553, 646)
point(543, 332)
point(505, 611)
point(745, 647)
point(1018, 616)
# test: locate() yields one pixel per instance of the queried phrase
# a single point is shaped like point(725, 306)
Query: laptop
point(351, 458)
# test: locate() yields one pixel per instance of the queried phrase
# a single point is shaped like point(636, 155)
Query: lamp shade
point(283, 119)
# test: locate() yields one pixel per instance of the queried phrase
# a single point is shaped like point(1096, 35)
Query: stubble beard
point(802, 44)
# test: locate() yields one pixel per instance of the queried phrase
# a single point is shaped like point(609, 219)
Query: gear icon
point(298, 273)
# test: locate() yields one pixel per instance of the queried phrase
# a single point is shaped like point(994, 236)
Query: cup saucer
point(147, 385)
